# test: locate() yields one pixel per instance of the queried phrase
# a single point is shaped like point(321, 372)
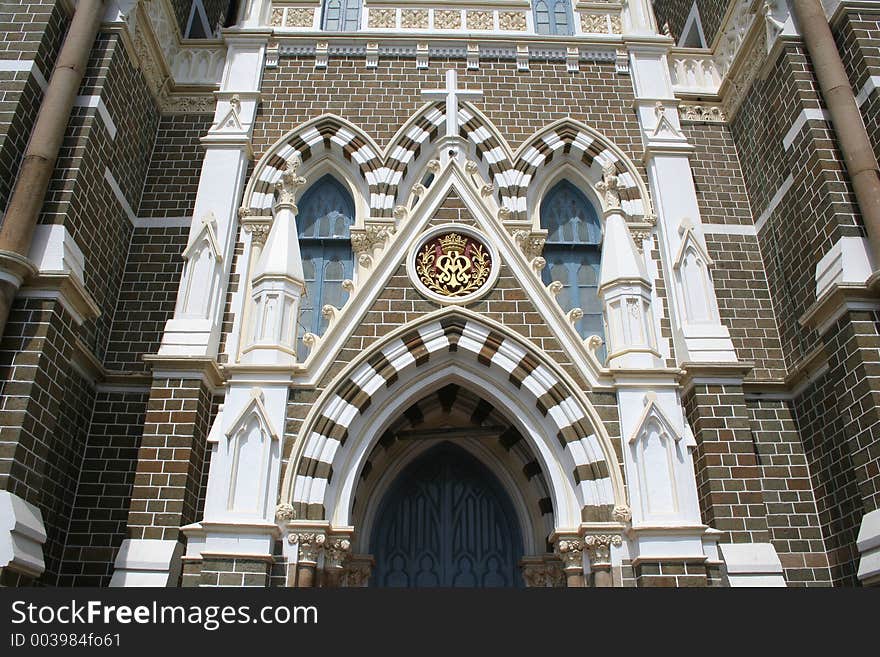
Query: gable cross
point(452, 94)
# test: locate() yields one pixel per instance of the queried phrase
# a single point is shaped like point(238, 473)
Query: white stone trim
point(142, 562)
point(752, 565)
point(98, 104)
point(162, 222)
point(28, 65)
point(868, 543)
point(693, 19)
point(120, 196)
point(22, 535)
point(787, 184)
point(729, 229)
point(870, 85)
point(800, 122)
point(847, 262)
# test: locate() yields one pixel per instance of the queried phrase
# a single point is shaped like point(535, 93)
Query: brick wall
point(146, 297)
point(838, 417)
point(792, 517)
point(40, 444)
point(745, 304)
point(104, 491)
point(172, 178)
point(729, 482)
point(857, 32)
point(817, 210)
point(80, 197)
point(170, 460)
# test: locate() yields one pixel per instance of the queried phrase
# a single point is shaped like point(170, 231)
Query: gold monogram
point(453, 265)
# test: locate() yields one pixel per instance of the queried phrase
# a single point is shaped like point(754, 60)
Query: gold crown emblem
point(453, 242)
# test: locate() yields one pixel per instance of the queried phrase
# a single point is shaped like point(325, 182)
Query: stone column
point(571, 551)
point(311, 544)
point(599, 548)
point(336, 552)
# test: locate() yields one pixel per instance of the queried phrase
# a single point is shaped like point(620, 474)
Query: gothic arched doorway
point(446, 522)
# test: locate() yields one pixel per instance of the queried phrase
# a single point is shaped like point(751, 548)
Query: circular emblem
point(453, 264)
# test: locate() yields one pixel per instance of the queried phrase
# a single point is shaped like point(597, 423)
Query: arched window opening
point(573, 253)
point(326, 213)
point(553, 17)
point(342, 15)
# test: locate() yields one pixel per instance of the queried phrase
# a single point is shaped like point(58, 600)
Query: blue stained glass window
point(553, 17)
point(342, 15)
point(573, 253)
point(326, 212)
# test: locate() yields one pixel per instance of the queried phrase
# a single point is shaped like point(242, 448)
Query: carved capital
point(546, 574)
point(530, 243)
point(369, 238)
point(258, 232)
point(571, 551)
point(336, 550)
point(599, 547)
point(310, 545)
point(622, 513)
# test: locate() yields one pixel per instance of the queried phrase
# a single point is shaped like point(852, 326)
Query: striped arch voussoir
point(539, 384)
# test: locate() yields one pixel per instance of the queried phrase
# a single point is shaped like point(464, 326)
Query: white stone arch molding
point(455, 345)
point(353, 157)
point(533, 526)
point(570, 146)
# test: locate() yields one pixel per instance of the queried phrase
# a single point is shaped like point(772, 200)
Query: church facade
point(400, 293)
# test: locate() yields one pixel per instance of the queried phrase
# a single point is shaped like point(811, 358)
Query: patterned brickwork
point(788, 494)
point(64, 463)
point(728, 477)
point(175, 165)
point(41, 444)
point(858, 38)
point(146, 297)
point(745, 305)
point(170, 460)
point(80, 197)
point(721, 190)
point(380, 100)
point(818, 208)
point(838, 418)
point(670, 574)
point(234, 572)
point(103, 494)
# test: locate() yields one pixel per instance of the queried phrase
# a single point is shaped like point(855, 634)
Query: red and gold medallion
point(453, 264)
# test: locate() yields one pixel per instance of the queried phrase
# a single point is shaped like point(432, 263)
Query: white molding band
point(774, 202)
point(871, 84)
point(800, 122)
point(868, 543)
point(729, 229)
point(98, 104)
point(22, 535)
point(752, 564)
point(143, 562)
point(162, 222)
point(120, 197)
point(28, 65)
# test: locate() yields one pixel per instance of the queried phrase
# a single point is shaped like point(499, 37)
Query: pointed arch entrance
point(446, 521)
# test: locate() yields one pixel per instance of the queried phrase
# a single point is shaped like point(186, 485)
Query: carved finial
point(284, 512)
point(609, 188)
point(400, 212)
point(667, 31)
point(504, 213)
point(290, 182)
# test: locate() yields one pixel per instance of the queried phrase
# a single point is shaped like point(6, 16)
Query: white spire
point(621, 260)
